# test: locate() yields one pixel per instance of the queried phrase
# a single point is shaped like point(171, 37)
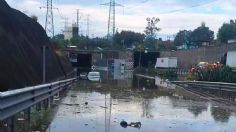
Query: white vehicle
point(94, 76)
point(168, 62)
point(231, 59)
point(83, 76)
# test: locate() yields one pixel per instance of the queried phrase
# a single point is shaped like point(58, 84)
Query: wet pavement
point(101, 106)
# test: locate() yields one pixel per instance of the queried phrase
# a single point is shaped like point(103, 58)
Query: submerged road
point(100, 107)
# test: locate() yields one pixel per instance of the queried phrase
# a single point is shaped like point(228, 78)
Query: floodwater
point(101, 106)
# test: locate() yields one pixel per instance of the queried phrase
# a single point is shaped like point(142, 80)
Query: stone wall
point(188, 58)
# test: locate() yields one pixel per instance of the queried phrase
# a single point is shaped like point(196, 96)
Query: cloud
point(133, 15)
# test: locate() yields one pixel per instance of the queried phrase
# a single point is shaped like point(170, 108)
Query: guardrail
point(229, 87)
point(15, 101)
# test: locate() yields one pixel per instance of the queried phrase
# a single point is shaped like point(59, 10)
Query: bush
point(191, 77)
point(168, 74)
point(222, 74)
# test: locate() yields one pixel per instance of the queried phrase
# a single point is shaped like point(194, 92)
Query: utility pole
point(111, 18)
point(49, 24)
point(87, 33)
point(78, 18)
point(66, 21)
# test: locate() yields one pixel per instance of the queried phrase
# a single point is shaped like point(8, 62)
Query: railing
point(229, 87)
point(15, 101)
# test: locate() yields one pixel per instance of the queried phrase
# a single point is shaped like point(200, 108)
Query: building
point(70, 32)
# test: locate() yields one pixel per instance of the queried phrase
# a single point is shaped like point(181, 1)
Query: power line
point(193, 6)
point(111, 18)
point(178, 10)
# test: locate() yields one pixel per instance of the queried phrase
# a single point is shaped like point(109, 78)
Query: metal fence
point(15, 101)
point(229, 87)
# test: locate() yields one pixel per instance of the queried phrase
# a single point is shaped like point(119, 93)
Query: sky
point(174, 15)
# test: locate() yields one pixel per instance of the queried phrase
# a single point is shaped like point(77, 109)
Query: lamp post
point(140, 55)
point(44, 63)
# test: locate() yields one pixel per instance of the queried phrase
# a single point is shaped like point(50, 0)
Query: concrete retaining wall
point(188, 58)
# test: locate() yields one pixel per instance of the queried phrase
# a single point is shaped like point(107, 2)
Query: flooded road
point(101, 106)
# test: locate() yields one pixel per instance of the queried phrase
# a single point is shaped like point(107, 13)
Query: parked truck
point(167, 62)
point(231, 59)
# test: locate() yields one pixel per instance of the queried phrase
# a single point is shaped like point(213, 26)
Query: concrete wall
point(188, 58)
point(107, 57)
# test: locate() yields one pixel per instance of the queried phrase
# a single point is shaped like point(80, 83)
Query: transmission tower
point(111, 18)
point(49, 25)
point(87, 32)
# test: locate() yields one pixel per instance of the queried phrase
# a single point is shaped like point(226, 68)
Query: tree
point(128, 38)
point(182, 37)
point(200, 35)
point(82, 42)
point(151, 28)
point(59, 42)
point(227, 32)
point(35, 18)
point(150, 41)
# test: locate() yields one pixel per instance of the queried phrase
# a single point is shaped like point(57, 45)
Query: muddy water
point(100, 107)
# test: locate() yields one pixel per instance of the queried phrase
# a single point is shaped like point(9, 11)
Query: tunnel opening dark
point(84, 62)
point(146, 59)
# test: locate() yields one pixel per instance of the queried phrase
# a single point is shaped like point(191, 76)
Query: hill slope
point(21, 41)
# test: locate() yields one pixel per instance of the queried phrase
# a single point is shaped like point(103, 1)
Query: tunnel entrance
point(145, 59)
point(84, 62)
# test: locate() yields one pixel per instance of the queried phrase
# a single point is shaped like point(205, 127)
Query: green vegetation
point(126, 39)
point(191, 77)
point(168, 74)
point(40, 119)
point(227, 31)
point(150, 41)
point(201, 34)
point(145, 71)
point(194, 38)
point(224, 74)
point(182, 37)
point(122, 40)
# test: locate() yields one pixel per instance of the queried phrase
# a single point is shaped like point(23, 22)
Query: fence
point(15, 101)
point(229, 87)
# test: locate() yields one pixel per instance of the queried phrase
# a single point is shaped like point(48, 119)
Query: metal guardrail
point(229, 87)
point(15, 101)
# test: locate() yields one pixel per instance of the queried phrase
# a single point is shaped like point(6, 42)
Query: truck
point(231, 59)
point(167, 62)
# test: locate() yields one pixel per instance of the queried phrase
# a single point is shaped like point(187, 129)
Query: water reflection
point(159, 110)
point(147, 108)
point(197, 110)
point(220, 114)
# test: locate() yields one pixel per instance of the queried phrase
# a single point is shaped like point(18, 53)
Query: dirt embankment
point(21, 41)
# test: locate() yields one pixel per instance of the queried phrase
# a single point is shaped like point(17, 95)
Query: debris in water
point(73, 96)
point(132, 124)
point(124, 124)
point(103, 107)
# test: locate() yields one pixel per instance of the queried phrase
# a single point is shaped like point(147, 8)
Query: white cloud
point(133, 15)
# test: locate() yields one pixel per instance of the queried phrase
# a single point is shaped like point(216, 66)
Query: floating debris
point(73, 96)
point(103, 107)
point(124, 124)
